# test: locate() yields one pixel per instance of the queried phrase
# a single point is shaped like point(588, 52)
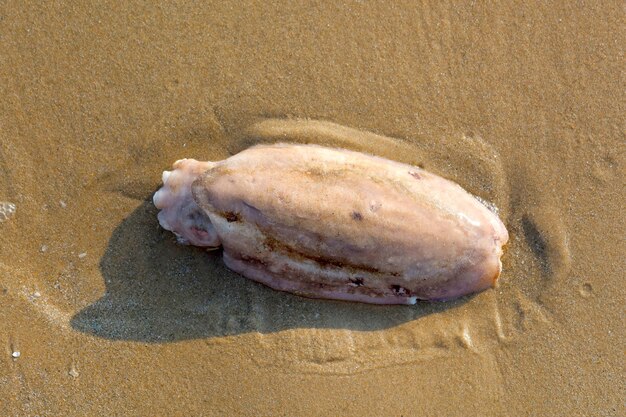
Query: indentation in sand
point(161, 292)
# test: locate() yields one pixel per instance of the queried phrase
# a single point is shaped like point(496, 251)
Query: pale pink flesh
point(296, 287)
point(372, 230)
point(179, 212)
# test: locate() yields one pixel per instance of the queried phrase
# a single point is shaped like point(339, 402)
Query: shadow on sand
point(159, 291)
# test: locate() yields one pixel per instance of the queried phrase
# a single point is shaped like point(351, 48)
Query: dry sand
point(521, 103)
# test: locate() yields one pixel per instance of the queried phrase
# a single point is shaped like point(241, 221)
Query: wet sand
point(102, 313)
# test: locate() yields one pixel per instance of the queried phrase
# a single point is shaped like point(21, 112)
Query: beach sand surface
point(102, 313)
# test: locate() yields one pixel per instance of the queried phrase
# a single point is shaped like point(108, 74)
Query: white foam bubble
point(7, 210)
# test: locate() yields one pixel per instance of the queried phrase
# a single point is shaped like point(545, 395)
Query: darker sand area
point(522, 104)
